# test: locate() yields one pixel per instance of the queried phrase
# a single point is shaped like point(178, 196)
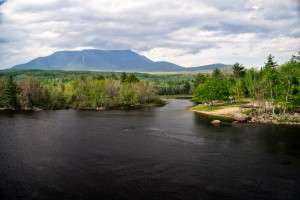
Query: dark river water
point(154, 153)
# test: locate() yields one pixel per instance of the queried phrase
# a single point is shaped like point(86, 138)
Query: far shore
point(129, 107)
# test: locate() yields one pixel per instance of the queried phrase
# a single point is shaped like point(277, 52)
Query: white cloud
point(186, 32)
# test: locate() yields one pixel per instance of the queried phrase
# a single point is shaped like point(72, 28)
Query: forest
point(166, 83)
point(275, 86)
point(85, 92)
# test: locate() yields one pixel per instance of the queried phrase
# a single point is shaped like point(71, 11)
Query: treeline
point(276, 88)
point(83, 93)
point(166, 83)
point(61, 76)
point(174, 87)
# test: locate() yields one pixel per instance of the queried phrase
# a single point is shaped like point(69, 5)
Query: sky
point(189, 33)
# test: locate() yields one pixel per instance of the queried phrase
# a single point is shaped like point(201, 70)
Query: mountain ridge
point(106, 60)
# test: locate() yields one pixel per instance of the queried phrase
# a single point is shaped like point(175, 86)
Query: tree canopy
point(211, 90)
point(270, 62)
point(239, 70)
point(217, 74)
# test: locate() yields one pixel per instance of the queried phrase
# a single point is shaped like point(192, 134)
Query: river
point(153, 153)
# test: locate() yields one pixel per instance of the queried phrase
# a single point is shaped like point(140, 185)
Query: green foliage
point(270, 63)
point(252, 82)
point(167, 83)
point(276, 87)
point(217, 74)
point(279, 85)
point(173, 87)
point(237, 90)
point(101, 77)
point(128, 94)
point(32, 94)
point(123, 77)
point(3, 86)
point(239, 70)
point(146, 92)
point(211, 91)
point(132, 78)
point(247, 112)
point(113, 76)
point(186, 87)
point(202, 107)
point(11, 93)
point(84, 92)
point(200, 79)
point(230, 82)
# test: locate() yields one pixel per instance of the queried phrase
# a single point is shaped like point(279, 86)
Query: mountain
point(112, 60)
point(208, 67)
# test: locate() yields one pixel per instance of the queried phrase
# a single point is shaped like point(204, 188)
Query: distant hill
point(110, 60)
point(209, 67)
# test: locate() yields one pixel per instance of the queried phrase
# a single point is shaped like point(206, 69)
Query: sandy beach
point(224, 112)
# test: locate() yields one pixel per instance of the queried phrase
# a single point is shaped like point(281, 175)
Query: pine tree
point(270, 62)
point(132, 78)
point(11, 93)
point(123, 77)
point(239, 70)
point(217, 74)
point(100, 77)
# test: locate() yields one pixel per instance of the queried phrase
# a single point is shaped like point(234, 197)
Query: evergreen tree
point(270, 62)
point(187, 87)
point(217, 74)
point(100, 77)
point(11, 93)
point(113, 76)
point(123, 77)
point(132, 78)
point(3, 85)
point(200, 79)
point(239, 70)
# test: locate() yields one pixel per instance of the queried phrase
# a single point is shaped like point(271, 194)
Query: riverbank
point(222, 111)
point(157, 103)
point(176, 96)
point(232, 111)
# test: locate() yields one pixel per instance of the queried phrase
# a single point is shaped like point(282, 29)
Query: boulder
point(297, 115)
point(216, 122)
point(100, 108)
point(240, 117)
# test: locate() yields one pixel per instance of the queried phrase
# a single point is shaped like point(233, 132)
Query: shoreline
point(228, 112)
point(134, 107)
point(217, 113)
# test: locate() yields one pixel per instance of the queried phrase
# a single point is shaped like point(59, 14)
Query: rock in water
point(240, 117)
point(216, 122)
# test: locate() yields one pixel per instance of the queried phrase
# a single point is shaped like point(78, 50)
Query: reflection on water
point(154, 153)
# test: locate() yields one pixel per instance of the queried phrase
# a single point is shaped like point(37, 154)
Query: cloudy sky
point(186, 32)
